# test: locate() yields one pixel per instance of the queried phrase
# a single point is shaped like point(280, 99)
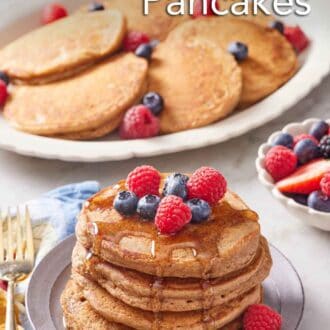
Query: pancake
point(272, 60)
point(225, 243)
point(96, 97)
point(63, 46)
point(79, 314)
point(116, 311)
point(200, 82)
point(156, 25)
point(93, 133)
point(170, 294)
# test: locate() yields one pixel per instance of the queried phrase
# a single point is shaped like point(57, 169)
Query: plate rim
point(316, 67)
point(70, 240)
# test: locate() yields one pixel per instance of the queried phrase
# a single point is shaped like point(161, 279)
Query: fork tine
point(19, 243)
point(2, 254)
point(10, 250)
point(29, 253)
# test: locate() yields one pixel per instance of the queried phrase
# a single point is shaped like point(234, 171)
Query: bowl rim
point(265, 178)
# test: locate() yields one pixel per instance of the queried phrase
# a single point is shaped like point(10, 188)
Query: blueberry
point(126, 202)
point(144, 50)
point(147, 206)
point(318, 201)
point(284, 139)
point(306, 150)
point(154, 102)
point(238, 50)
point(300, 199)
point(319, 129)
point(95, 6)
point(4, 77)
point(176, 184)
point(200, 210)
point(277, 25)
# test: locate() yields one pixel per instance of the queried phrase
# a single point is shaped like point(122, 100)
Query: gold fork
point(16, 256)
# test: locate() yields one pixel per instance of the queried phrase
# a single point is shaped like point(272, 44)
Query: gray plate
point(283, 289)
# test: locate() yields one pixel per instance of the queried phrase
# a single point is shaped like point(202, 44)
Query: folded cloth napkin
point(53, 218)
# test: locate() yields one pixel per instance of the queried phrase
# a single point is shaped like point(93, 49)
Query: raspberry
point(144, 180)
point(296, 36)
point(208, 184)
point(3, 285)
point(325, 184)
point(198, 8)
point(261, 317)
point(3, 93)
point(134, 39)
point(139, 122)
point(53, 12)
point(304, 136)
point(280, 162)
point(172, 215)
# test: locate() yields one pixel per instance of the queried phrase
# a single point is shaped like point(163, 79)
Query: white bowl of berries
point(295, 165)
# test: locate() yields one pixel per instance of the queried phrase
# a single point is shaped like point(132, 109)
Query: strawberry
point(306, 179)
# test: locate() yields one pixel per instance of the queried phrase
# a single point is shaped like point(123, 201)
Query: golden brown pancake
point(272, 60)
point(227, 242)
point(199, 81)
point(157, 24)
point(79, 315)
point(116, 311)
point(170, 294)
point(48, 52)
point(88, 101)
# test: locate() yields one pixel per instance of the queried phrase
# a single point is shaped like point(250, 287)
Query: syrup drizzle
point(200, 239)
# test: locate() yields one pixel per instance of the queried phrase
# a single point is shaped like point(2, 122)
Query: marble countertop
point(24, 178)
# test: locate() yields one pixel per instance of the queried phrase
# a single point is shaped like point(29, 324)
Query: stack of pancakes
point(127, 276)
point(73, 80)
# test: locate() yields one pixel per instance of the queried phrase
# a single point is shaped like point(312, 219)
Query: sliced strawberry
point(296, 37)
point(306, 179)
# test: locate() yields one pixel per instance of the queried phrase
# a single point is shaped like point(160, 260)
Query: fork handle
point(10, 311)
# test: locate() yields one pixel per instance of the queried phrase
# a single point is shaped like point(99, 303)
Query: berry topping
point(4, 77)
point(144, 180)
point(306, 150)
point(325, 184)
point(319, 129)
point(95, 6)
point(176, 184)
point(304, 136)
point(318, 201)
point(154, 102)
point(277, 25)
point(125, 203)
point(53, 12)
point(139, 122)
point(208, 184)
point(3, 285)
point(280, 162)
point(306, 179)
point(284, 139)
point(134, 39)
point(239, 50)
point(200, 210)
point(296, 36)
point(300, 199)
point(325, 146)
point(200, 11)
point(261, 317)
point(147, 206)
point(144, 50)
point(172, 215)
point(3, 93)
